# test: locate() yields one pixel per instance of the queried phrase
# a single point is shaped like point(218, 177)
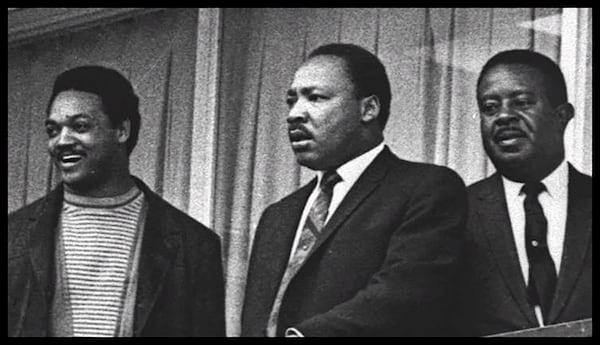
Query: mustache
point(297, 131)
point(508, 131)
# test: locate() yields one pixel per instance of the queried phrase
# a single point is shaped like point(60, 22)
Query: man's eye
point(522, 102)
point(489, 108)
point(51, 131)
point(316, 97)
point(81, 127)
point(290, 101)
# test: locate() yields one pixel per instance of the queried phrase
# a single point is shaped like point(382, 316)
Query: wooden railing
point(580, 328)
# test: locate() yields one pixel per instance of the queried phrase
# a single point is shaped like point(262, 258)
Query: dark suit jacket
point(384, 262)
point(495, 299)
point(180, 287)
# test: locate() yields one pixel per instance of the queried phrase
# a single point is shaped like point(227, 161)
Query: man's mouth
point(299, 139)
point(67, 160)
point(508, 137)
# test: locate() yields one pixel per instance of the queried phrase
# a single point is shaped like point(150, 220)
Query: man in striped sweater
point(102, 255)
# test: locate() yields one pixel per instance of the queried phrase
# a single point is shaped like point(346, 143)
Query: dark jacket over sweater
point(180, 288)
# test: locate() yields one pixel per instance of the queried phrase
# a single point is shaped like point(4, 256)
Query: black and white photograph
point(299, 172)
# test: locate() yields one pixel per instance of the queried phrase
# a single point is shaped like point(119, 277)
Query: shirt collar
point(106, 202)
point(352, 169)
point(555, 182)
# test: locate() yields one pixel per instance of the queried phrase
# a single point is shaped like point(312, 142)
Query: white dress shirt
point(554, 203)
point(349, 172)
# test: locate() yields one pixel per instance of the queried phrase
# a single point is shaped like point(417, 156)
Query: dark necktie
point(320, 208)
point(542, 274)
point(315, 221)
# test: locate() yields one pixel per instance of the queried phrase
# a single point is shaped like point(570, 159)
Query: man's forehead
point(57, 117)
point(323, 69)
point(323, 62)
point(73, 99)
point(71, 104)
point(513, 77)
point(519, 72)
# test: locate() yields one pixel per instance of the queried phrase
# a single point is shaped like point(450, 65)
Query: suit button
point(305, 247)
point(534, 243)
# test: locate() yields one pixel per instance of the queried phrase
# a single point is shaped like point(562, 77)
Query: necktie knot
point(533, 189)
point(329, 180)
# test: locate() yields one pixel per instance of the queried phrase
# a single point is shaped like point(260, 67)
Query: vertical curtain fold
point(159, 167)
point(429, 78)
point(576, 63)
point(445, 90)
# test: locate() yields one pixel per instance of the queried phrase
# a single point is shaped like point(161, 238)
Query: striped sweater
point(98, 238)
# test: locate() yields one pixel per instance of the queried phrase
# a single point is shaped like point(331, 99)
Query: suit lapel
point(269, 258)
point(495, 225)
point(363, 187)
point(281, 238)
point(159, 246)
point(578, 239)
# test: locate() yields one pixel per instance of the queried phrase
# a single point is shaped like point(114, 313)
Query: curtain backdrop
point(432, 56)
point(156, 52)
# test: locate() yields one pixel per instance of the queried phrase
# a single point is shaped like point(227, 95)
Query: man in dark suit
point(102, 255)
point(529, 246)
point(368, 247)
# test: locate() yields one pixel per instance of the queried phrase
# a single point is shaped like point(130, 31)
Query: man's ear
point(565, 113)
point(123, 131)
point(369, 108)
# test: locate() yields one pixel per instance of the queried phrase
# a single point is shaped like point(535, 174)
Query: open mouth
point(300, 139)
point(298, 135)
point(70, 159)
point(509, 136)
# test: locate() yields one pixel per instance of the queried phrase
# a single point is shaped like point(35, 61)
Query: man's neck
point(114, 187)
point(367, 146)
point(533, 172)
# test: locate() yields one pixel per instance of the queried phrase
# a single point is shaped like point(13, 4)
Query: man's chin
point(509, 157)
point(309, 159)
point(515, 166)
point(305, 161)
point(507, 153)
point(77, 183)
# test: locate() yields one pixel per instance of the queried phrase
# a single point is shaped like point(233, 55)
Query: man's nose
point(65, 137)
point(298, 112)
point(506, 114)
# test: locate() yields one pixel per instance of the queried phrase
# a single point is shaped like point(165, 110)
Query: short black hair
point(366, 72)
point(119, 100)
point(554, 81)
